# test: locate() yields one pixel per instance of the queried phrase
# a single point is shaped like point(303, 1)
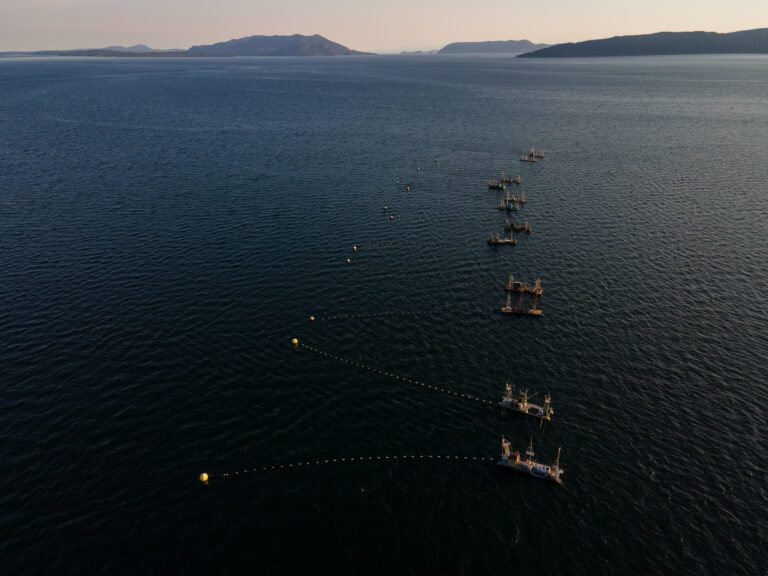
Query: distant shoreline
point(661, 44)
point(746, 42)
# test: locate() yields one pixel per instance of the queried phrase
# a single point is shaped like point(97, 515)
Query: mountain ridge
point(753, 41)
point(259, 45)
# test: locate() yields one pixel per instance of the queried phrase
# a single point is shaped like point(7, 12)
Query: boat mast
point(505, 447)
point(529, 453)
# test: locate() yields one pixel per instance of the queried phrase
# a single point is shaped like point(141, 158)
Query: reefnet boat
point(513, 460)
point(521, 403)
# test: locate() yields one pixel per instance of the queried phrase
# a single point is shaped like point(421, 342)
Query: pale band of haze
point(387, 26)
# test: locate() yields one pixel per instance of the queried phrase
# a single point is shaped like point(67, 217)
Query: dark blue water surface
point(167, 226)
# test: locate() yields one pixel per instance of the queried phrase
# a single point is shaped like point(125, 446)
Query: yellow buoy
point(295, 342)
point(204, 478)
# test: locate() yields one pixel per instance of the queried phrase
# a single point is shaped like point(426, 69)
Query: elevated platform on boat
point(533, 155)
point(525, 228)
point(522, 287)
point(521, 309)
point(508, 206)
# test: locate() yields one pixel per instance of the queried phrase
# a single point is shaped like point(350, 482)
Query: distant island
point(136, 49)
point(492, 47)
point(295, 45)
point(661, 44)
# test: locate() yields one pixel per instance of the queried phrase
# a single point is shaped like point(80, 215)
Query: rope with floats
point(384, 314)
point(398, 377)
point(206, 477)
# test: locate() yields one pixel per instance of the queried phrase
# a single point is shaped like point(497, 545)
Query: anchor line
point(405, 379)
point(363, 315)
point(383, 244)
point(358, 459)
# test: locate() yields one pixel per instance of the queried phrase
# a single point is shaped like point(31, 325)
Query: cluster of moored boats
point(508, 203)
point(518, 302)
point(521, 402)
point(523, 299)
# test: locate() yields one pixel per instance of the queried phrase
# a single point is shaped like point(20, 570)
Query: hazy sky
point(375, 25)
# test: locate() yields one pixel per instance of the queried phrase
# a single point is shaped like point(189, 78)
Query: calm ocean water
point(167, 226)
